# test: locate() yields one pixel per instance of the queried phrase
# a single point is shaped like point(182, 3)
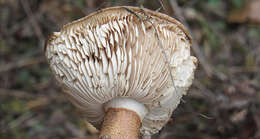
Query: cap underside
point(113, 53)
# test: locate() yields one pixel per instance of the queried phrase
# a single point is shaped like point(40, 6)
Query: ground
point(223, 102)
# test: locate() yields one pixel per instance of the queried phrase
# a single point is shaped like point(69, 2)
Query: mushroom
point(125, 68)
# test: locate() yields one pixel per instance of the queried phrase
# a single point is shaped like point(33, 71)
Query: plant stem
point(120, 123)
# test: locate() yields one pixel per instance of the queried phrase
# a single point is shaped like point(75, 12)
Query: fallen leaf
point(246, 88)
point(254, 15)
point(239, 116)
point(249, 13)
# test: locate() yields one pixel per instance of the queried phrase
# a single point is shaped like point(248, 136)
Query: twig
point(15, 93)
point(166, 9)
point(17, 122)
point(163, 6)
point(33, 21)
point(243, 70)
point(205, 92)
point(20, 64)
point(205, 116)
point(158, 39)
point(178, 12)
point(195, 47)
point(190, 109)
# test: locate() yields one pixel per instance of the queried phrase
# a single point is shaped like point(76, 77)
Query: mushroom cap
point(115, 53)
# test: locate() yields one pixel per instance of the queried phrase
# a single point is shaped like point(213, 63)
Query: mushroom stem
point(120, 123)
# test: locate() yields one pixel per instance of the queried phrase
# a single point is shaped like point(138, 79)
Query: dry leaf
point(239, 116)
point(254, 13)
point(249, 13)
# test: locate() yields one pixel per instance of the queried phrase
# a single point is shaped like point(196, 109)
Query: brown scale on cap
point(112, 59)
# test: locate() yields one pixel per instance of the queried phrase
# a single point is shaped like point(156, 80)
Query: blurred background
point(223, 102)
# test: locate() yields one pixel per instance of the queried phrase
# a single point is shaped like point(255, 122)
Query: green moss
point(80, 2)
point(250, 61)
point(4, 49)
point(254, 32)
point(14, 106)
point(237, 3)
point(214, 2)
